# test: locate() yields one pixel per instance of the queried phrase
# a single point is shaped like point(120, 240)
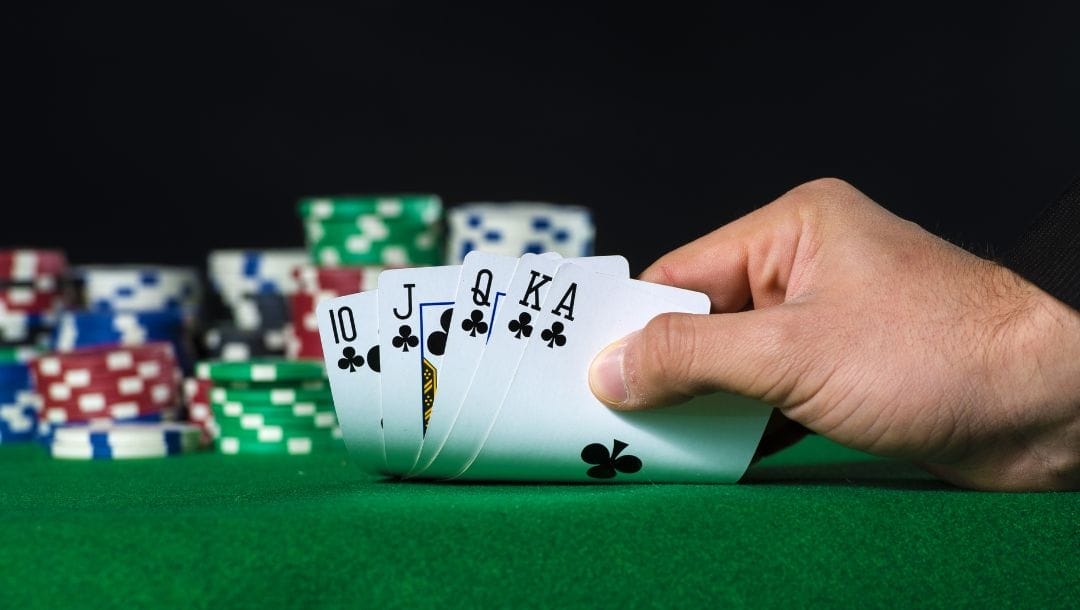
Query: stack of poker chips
point(19, 403)
point(374, 230)
point(31, 295)
point(132, 305)
point(271, 406)
point(197, 406)
point(104, 387)
point(513, 229)
point(315, 284)
point(105, 441)
point(254, 286)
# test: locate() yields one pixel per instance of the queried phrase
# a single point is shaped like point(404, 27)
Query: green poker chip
point(275, 396)
point(424, 208)
point(253, 427)
point(296, 410)
point(10, 354)
point(296, 445)
point(264, 370)
point(388, 255)
point(324, 423)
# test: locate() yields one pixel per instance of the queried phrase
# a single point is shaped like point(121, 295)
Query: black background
point(144, 134)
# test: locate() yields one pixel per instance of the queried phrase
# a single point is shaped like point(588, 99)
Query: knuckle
point(821, 194)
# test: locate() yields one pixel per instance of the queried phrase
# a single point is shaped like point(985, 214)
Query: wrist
point(1042, 404)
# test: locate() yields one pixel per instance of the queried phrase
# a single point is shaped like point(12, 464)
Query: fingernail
point(606, 374)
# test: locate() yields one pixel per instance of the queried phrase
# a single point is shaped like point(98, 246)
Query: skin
point(865, 328)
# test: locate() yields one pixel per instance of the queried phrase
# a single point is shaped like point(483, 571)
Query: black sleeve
point(1048, 254)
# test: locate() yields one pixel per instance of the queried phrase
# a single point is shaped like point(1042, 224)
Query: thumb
point(677, 356)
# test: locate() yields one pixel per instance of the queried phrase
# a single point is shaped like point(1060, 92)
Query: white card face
point(551, 428)
point(415, 314)
point(349, 329)
point(481, 292)
point(510, 331)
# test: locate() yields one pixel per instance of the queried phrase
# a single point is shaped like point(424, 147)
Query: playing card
point(349, 329)
point(551, 428)
point(476, 385)
point(415, 315)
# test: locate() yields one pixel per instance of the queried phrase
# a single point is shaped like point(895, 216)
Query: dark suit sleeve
point(1048, 254)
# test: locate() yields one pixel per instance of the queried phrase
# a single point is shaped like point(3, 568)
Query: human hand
point(867, 329)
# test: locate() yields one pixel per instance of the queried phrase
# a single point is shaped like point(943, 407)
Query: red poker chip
point(28, 299)
point(120, 385)
point(122, 410)
point(26, 264)
point(197, 390)
point(106, 404)
point(160, 391)
point(337, 280)
point(308, 346)
point(147, 370)
point(197, 400)
point(104, 360)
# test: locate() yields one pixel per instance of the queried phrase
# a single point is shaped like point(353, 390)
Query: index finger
point(744, 263)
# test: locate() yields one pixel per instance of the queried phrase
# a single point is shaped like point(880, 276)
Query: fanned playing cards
point(479, 371)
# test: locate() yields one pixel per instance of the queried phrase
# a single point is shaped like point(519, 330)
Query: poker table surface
point(815, 525)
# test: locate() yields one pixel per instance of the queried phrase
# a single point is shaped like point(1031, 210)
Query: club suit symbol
point(606, 464)
point(554, 336)
point(521, 327)
point(405, 339)
point(350, 360)
point(475, 323)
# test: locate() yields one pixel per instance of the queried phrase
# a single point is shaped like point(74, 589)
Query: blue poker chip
point(109, 319)
point(78, 329)
point(130, 440)
point(17, 422)
point(14, 376)
point(44, 430)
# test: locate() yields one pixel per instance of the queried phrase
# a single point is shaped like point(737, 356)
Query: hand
point(867, 329)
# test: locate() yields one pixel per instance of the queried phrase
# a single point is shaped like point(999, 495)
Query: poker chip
point(227, 341)
point(336, 281)
point(18, 417)
point(197, 404)
point(82, 329)
point(514, 229)
point(235, 274)
point(124, 441)
point(273, 396)
point(14, 375)
point(390, 230)
point(105, 358)
point(40, 296)
point(261, 370)
point(418, 208)
point(32, 292)
point(140, 288)
point(316, 284)
point(25, 264)
point(268, 406)
point(295, 445)
point(299, 409)
point(106, 383)
point(18, 353)
point(45, 428)
point(19, 328)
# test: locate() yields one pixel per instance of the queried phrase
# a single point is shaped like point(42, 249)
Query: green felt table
point(816, 525)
